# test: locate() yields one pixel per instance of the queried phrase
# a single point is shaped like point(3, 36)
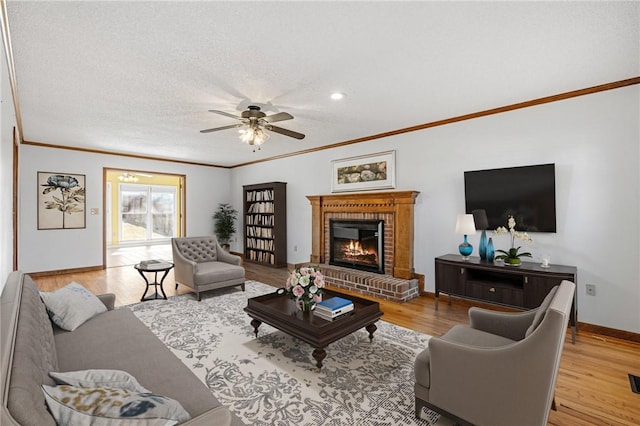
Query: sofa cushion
point(542, 309)
point(98, 378)
point(198, 250)
point(213, 272)
point(118, 340)
point(110, 406)
point(72, 305)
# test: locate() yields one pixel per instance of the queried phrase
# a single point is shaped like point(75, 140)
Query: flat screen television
point(527, 193)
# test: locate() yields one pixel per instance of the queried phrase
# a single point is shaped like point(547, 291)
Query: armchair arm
point(512, 325)
point(225, 256)
point(468, 381)
point(109, 300)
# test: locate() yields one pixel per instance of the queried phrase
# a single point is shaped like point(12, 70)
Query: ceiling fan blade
point(226, 114)
point(281, 116)
point(215, 129)
point(285, 132)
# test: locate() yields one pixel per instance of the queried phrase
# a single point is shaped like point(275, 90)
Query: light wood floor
point(593, 385)
point(129, 255)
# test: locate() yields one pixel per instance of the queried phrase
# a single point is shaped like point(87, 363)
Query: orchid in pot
point(306, 286)
point(512, 257)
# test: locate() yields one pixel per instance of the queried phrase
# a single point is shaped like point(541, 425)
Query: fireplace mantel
point(399, 204)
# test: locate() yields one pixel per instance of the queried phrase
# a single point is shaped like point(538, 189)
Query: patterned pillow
point(107, 406)
point(72, 305)
point(99, 378)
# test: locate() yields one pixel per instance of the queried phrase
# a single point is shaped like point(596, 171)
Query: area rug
point(272, 379)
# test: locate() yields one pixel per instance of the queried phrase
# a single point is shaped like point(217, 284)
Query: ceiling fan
point(257, 122)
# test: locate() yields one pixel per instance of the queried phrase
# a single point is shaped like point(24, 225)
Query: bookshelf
point(265, 223)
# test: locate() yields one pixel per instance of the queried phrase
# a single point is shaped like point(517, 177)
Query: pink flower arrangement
point(306, 285)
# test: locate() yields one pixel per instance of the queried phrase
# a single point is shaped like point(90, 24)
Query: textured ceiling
point(138, 77)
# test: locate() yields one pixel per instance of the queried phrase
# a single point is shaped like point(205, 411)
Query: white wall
point(7, 123)
point(594, 142)
point(48, 250)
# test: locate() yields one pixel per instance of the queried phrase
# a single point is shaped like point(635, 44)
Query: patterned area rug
point(272, 380)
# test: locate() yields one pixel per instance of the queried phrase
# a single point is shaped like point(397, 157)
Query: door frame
point(106, 198)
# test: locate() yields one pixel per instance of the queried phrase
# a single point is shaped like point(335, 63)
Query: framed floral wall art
point(365, 172)
point(61, 201)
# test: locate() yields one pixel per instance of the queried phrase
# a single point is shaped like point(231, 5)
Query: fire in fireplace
point(357, 244)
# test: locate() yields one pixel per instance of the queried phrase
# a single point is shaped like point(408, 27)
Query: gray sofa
point(501, 369)
point(202, 264)
point(116, 339)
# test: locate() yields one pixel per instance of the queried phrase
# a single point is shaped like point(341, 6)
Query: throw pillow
point(99, 378)
point(71, 306)
point(108, 406)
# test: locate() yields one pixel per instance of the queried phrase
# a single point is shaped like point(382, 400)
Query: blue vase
point(482, 245)
point(465, 249)
point(489, 251)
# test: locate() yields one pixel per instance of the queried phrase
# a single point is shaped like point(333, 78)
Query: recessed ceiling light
point(337, 96)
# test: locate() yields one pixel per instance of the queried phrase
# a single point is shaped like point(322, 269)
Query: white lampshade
point(465, 225)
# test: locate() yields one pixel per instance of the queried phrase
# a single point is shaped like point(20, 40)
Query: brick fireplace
point(395, 208)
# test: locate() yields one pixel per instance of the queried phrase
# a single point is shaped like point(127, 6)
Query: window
point(147, 212)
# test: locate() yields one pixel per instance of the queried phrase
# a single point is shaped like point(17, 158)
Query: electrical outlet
point(591, 289)
point(295, 248)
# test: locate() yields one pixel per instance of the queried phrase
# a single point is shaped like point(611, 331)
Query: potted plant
point(512, 257)
point(225, 225)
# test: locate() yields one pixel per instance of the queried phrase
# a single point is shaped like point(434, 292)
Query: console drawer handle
point(492, 290)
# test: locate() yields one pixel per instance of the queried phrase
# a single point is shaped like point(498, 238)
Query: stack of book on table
point(333, 307)
point(154, 264)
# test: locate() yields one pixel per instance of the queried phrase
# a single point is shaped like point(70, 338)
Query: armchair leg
point(242, 286)
point(198, 296)
point(176, 286)
point(418, 405)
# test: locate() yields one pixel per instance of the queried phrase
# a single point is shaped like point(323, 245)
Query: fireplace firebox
point(357, 244)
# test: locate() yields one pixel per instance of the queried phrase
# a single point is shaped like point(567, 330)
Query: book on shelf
point(154, 264)
point(331, 315)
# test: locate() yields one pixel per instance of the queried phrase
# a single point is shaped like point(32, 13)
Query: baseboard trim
point(582, 326)
point(609, 332)
point(65, 271)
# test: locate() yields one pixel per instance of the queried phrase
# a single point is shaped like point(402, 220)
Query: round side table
point(164, 267)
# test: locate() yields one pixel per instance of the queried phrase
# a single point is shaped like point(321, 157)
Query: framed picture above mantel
point(364, 172)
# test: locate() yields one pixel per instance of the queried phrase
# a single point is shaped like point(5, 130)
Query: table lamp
point(465, 226)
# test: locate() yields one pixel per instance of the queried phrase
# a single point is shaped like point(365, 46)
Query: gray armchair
point(202, 264)
point(499, 370)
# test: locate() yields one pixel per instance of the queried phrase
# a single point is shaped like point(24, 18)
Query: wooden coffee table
point(280, 312)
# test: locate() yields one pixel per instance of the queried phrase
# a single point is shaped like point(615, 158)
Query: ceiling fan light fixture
point(127, 177)
point(253, 136)
point(257, 123)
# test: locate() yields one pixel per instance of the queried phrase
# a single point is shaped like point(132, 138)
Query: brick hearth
point(395, 208)
point(378, 285)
